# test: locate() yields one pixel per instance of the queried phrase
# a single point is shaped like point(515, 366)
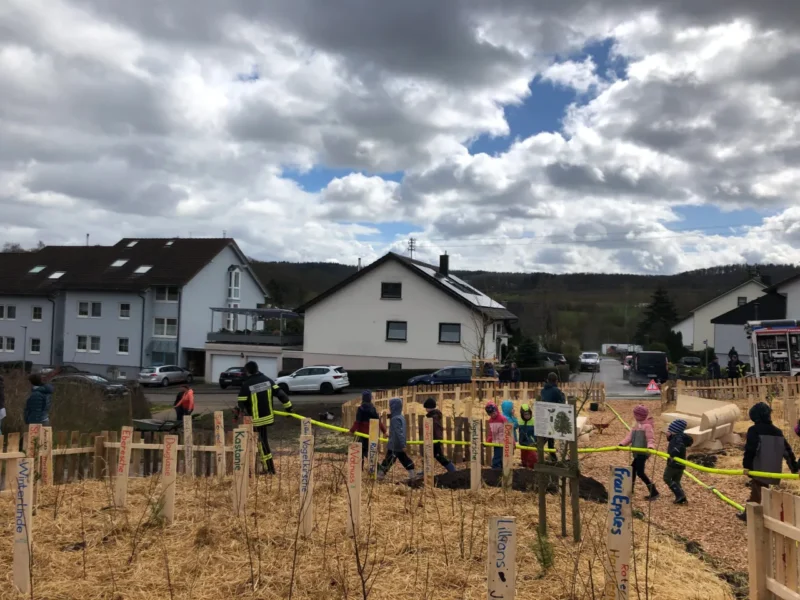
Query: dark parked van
point(647, 366)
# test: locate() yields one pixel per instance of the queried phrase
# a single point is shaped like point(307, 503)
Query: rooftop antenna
point(412, 246)
point(87, 239)
point(224, 234)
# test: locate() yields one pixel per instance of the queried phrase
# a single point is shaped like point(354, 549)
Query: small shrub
point(543, 551)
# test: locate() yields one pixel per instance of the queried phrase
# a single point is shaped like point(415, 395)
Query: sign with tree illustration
point(556, 421)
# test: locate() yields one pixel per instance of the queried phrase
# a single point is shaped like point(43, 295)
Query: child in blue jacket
point(396, 448)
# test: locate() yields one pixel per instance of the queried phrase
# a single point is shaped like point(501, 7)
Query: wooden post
point(253, 451)
point(619, 533)
point(305, 427)
point(427, 434)
point(541, 485)
point(123, 467)
point(372, 450)
point(169, 476)
point(32, 452)
point(13, 446)
point(508, 454)
point(501, 568)
point(242, 448)
point(306, 484)
point(757, 552)
point(354, 488)
point(475, 451)
point(46, 455)
point(188, 446)
point(23, 522)
point(219, 442)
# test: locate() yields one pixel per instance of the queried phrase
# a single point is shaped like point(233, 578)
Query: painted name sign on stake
point(475, 454)
point(508, 454)
point(372, 448)
point(253, 451)
point(241, 465)
point(619, 533)
point(32, 452)
point(123, 467)
point(188, 445)
point(501, 568)
point(306, 485)
point(427, 464)
point(219, 442)
point(169, 476)
point(354, 487)
point(23, 523)
point(46, 455)
point(305, 427)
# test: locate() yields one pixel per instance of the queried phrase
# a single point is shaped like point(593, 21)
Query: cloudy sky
point(638, 136)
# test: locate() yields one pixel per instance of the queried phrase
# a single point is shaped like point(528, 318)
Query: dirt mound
point(524, 480)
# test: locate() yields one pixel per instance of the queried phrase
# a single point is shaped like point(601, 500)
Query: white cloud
point(578, 75)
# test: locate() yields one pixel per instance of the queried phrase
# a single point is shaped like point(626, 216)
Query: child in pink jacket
point(642, 435)
point(496, 433)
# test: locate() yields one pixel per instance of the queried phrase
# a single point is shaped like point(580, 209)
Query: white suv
point(590, 361)
point(325, 379)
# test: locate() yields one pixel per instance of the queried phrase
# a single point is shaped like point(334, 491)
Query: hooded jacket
point(436, 416)
point(641, 435)
point(37, 408)
point(366, 411)
point(766, 448)
point(676, 448)
point(551, 393)
point(508, 409)
point(527, 435)
point(397, 426)
point(496, 421)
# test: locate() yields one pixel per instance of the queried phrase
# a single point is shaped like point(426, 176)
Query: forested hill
point(588, 307)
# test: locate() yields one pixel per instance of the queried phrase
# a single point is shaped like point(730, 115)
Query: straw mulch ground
point(413, 544)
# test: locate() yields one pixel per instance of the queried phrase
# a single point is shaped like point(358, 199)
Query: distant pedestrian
point(488, 370)
point(2, 403)
point(396, 448)
point(678, 442)
point(714, 371)
point(435, 415)
point(516, 376)
point(37, 407)
point(365, 413)
point(552, 393)
point(496, 433)
point(642, 436)
point(184, 402)
point(736, 368)
point(527, 436)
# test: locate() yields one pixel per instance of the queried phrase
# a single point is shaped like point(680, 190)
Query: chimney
point(87, 239)
point(359, 264)
point(444, 265)
point(755, 311)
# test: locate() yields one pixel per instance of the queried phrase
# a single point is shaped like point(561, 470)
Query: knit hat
point(677, 426)
point(366, 396)
point(429, 403)
point(491, 407)
point(640, 413)
point(760, 413)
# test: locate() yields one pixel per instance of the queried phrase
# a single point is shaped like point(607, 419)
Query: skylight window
point(56, 274)
point(37, 269)
point(119, 263)
point(143, 269)
point(133, 243)
point(169, 243)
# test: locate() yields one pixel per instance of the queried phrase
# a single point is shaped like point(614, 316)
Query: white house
point(790, 288)
point(701, 329)
point(729, 329)
point(400, 313)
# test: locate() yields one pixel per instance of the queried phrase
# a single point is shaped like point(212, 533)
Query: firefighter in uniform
point(255, 400)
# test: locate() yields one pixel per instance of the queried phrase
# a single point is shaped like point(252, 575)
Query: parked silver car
point(165, 375)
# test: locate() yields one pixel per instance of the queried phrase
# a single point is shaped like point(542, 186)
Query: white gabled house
point(401, 313)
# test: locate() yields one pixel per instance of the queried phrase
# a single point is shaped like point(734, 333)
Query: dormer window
point(143, 269)
point(56, 275)
point(169, 243)
point(234, 283)
point(37, 269)
point(119, 263)
point(133, 243)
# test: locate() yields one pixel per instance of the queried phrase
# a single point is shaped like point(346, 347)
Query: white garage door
point(220, 363)
point(268, 366)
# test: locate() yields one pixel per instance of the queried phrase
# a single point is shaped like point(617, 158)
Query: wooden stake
point(501, 568)
point(46, 455)
point(508, 454)
point(619, 533)
point(219, 442)
point(306, 484)
point(123, 467)
point(23, 523)
point(475, 451)
point(427, 435)
point(242, 448)
point(32, 452)
point(372, 449)
point(354, 487)
point(757, 552)
point(169, 476)
point(188, 446)
point(13, 446)
point(253, 451)
point(305, 427)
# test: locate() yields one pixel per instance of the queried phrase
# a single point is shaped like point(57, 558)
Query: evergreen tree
point(659, 317)
point(527, 353)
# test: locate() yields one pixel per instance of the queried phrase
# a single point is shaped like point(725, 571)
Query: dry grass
point(413, 544)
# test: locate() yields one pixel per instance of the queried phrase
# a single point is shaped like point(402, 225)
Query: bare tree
point(473, 340)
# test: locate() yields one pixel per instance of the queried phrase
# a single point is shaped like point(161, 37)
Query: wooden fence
point(753, 389)
point(773, 533)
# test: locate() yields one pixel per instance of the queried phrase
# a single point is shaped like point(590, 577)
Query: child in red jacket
point(496, 433)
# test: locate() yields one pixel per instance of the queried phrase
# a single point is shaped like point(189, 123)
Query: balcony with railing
point(256, 326)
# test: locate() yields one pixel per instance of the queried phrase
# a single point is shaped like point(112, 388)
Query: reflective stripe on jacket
point(255, 399)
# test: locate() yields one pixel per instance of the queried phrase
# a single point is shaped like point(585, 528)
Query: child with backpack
point(435, 415)
point(678, 442)
point(642, 435)
point(396, 448)
point(365, 413)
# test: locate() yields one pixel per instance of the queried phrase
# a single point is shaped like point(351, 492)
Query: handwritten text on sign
point(619, 525)
point(475, 440)
point(125, 437)
point(306, 458)
point(502, 558)
point(23, 501)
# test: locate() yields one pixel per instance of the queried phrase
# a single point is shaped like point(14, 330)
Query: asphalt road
point(616, 387)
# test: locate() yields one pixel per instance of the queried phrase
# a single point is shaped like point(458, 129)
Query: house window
point(391, 291)
point(94, 343)
point(122, 345)
point(231, 321)
point(97, 310)
point(36, 313)
point(11, 344)
point(82, 344)
point(449, 333)
point(83, 309)
point(11, 312)
point(166, 294)
point(93, 309)
point(165, 327)
point(396, 331)
point(234, 284)
point(741, 300)
point(36, 345)
point(395, 366)
point(124, 310)
point(163, 358)
point(1, 344)
point(2, 312)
